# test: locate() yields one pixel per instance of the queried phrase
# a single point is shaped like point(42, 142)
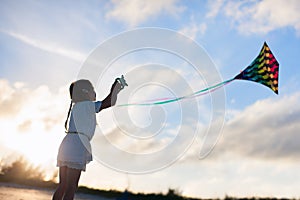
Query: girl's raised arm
point(111, 98)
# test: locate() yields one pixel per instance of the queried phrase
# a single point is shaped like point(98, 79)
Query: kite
point(263, 69)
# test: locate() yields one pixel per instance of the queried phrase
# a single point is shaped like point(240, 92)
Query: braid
point(66, 122)
point(70, 108)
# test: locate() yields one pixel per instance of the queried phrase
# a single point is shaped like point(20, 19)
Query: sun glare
point(38, 147)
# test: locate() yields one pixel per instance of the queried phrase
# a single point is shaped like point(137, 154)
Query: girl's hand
point(116, 87)
point(111, 98)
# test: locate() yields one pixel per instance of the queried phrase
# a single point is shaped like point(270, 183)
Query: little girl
point(75, 150)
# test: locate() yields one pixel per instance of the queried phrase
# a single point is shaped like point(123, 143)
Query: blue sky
point(45, 43)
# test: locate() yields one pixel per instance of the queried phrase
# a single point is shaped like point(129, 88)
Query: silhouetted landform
point(20, 172)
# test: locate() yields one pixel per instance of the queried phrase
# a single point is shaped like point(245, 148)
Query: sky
point(242, 140)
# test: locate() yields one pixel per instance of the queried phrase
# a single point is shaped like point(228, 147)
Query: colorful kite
point(263, 70)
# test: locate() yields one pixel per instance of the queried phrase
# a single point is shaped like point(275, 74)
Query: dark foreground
point(19, 181)
point(11, 191)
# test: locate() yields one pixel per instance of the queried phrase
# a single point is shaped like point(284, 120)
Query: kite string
point(212, 89)
point(171, 99)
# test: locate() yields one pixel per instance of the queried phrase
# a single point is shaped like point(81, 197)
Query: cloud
point(263, 16)
point(129, 143)
point(257, 17)
point(135, 12)
point(47, 46)
point(25, 126)
point(31, 121)
point(267, 129)
point(26, 106)
point(50, 40)
point(214, 8)
point(194, 29)
point(10, 97)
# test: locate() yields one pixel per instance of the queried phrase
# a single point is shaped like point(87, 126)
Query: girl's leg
point(61, 188)
point(73, 176)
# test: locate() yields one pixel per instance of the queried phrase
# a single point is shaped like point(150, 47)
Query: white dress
point(75, 150)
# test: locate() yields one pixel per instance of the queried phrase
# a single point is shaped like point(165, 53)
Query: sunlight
point(36, 145)
point(32, 148)
point(34, 130)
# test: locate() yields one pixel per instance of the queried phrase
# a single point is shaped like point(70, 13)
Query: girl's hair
point(78, 92)
point(79, 89)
